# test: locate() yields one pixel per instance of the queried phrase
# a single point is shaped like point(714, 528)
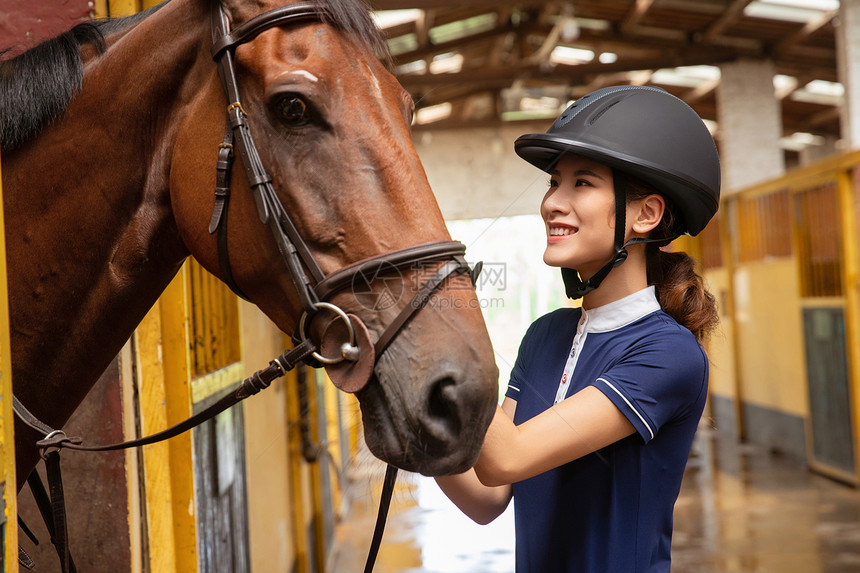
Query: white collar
point(620, 312)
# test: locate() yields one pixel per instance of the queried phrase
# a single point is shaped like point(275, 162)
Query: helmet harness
point(638, 131)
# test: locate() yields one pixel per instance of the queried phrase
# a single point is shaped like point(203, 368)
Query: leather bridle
point(354, 359)
point(313, 287)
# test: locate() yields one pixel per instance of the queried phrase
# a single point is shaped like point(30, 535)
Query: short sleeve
point(663, 379)
point(524, 355)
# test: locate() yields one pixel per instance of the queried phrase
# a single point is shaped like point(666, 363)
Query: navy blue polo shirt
point(609, 511)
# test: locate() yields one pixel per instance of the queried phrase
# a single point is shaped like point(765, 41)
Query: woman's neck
point(621, 281)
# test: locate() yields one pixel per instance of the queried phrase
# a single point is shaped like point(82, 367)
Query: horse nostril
point(442, 405)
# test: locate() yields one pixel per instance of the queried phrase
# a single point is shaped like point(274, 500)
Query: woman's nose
point(553, 202)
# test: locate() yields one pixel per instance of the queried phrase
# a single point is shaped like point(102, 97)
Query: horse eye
point(293, 109)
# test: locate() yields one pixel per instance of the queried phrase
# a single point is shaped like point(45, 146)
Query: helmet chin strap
point(574, 286)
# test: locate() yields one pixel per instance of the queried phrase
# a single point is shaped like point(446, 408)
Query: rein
point(351, 357)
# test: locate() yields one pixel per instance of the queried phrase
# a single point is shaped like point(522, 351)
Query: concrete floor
point(741, 510)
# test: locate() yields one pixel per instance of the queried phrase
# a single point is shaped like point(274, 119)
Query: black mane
point(36, 86)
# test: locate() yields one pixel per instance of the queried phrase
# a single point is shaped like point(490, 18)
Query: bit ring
point(349, 351)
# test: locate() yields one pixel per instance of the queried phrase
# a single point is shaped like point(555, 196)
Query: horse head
point(331, 127)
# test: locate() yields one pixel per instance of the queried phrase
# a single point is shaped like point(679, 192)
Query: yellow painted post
point(7, 439)
point(318, 503)
point(174, 306)
point(165, 399)
point(851, 283)
point(133, 475)
point(728, 218)
point(353, 417)
point(156, 457)
point(297, 514)
point(119, 8)
point(334, 434)
point(100, 9)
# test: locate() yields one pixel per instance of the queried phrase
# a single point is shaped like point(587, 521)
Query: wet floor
point(741, 510)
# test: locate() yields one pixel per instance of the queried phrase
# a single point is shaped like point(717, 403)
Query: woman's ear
point(648, 213)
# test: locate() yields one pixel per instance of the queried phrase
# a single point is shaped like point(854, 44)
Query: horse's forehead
point(319, 54)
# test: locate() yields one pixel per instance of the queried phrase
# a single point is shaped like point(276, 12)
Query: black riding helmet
point(640, 131)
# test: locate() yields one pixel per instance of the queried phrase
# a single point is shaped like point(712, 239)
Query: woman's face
point(579, 213)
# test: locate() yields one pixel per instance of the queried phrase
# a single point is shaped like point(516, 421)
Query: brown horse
point(108, 186)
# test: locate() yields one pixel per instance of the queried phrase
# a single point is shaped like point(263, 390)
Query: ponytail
point(680, 289)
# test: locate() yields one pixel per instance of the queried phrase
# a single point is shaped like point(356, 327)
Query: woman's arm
point(579, 425)
point(481, 503)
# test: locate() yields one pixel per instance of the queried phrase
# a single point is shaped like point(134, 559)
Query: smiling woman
point(604, 400)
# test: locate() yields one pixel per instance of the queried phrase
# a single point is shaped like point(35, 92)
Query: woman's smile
point(557, 232)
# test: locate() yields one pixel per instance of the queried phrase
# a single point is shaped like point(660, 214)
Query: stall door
point(821, 259)
point(829, 400)
point(221, 494)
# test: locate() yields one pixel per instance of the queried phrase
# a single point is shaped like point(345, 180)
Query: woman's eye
point(552, 183)
point(293, 109)
point(582, 182)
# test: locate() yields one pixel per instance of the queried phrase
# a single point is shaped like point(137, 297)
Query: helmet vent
point(572, 111)
point(597, 115)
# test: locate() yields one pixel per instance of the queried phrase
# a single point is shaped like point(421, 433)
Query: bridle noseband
point(314, 288)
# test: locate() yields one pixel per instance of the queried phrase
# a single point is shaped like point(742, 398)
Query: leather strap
point(218, 222)
point(248, 387)
point(381, 516)
point(53, 511)
point(305, 11)
point(408, 257)
point(24, 559)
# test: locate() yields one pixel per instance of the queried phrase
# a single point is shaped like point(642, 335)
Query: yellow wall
point(267, 462)
point(770, 332)
point(720, 346)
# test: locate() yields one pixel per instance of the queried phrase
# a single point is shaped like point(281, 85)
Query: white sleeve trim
point(626, 401)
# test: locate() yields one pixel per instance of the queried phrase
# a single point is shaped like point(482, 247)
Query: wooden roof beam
point(823, 117)
point(448, 4)
point(502, 43)
point(632, 19)
point(701, 91)
point(422, 27)
point(732, 13)
point(549, 43)
point(785, 92)
point(562, 74)
point(451, 45)
point(805, 32)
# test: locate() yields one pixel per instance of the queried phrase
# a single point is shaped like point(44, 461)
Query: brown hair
point(680, 289)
